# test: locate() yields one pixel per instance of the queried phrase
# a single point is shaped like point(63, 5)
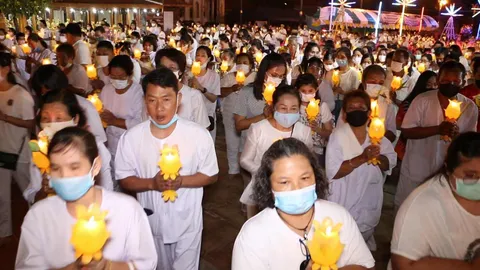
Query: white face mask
point(396, 66)
point(49, 129)
point(382, 58)
point(373, 90)
point(102, 60)
point(204, 66)
point(335, 64)
point(365, 65)
point(307, 97)
point(63, 39)
point(177, 74)
point(119, 84)
point(244, 68)
point(275, 81)
point(329, 67)
point(357, 60)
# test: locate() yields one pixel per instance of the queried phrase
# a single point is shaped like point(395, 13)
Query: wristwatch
point(204, 90)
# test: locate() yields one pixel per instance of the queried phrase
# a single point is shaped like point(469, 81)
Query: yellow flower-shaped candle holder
point(170, 166)
point(325, 247)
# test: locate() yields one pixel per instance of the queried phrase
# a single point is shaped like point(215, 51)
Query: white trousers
point(232, 137)
point(22, 178)
point(182, 255)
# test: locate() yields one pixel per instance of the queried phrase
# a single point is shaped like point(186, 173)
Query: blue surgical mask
point(342, 62)
point(468, 191)
point(72, 188)
point(296, 202)
point(286, 120)
point(167, 125)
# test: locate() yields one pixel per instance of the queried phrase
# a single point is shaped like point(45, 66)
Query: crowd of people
point(166, 89)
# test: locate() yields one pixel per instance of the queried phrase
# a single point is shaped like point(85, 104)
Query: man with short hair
point(74, 38)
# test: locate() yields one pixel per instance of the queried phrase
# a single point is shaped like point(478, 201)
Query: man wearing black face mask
point(473, 90)
point(425, 123)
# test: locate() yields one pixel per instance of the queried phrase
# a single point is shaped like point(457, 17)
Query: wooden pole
point(421, 21)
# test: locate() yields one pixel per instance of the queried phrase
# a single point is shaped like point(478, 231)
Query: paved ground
point(222, 220)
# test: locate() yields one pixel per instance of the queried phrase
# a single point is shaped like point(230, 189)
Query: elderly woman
point(291, 186)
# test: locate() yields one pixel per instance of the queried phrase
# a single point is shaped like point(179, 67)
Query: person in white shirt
point(316, 67)
point(4, 40)
point(50, 77)
point(191, 105)
point(208, 83)
point(347, 160)
point(311, 50)
point(438, 226)
point(16, 122)
point(424, 125)
point(122, 101)
point(74, 38)
point(322, 125)
point(284, 124)
point(78, 82)
point(291, 187)
point(45, 241)
point(399, 61)
point(40, 53)
point(229, 93)
point(21, 56)
point(135, 41)
point(125, 48)
point(103, 55)
point(60, 109)
point(147, 61)
point(176, 226)
point(45, 33)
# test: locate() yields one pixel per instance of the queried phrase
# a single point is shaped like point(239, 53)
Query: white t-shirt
point(78, 78)
point(16, 102)
point(349, 81)
point(137, 72)
point(138, 155)
point(265, 242)
point(431, 223)
point(408, 83)
point(192, 106)
point(324, 117)
point(47, 229)
point(210, 81)
point(128, 106)
point(326, 94)
point(82, 53)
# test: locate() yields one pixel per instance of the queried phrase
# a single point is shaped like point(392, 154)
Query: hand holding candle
point(91, 72)
point(325, 247)
point(313, 109)
point(196, 68)
point(376, 131)
point(268, 93)
point(396, 83)
point(137, 54)
point(216, 53)
point(169, 166)
point(336, 78)
point(240, 77)
point(97, 103)
point(258, 57)
point(39, 150)
point(26, 49)
point(46, 61)
point(89, 234)
point(224, 66)
point(421, 67)
point(452, 113)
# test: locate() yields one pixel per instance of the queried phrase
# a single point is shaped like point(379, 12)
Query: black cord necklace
point(304, 230)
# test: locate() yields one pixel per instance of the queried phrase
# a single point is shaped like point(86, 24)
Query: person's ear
point(76, 119)
point(97, 166)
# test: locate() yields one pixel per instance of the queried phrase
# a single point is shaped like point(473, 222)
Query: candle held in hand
point(46, 61)
point(336, 78)
point(169, 166)
point(452, 113)
point(240, 77)
point(26, 49)
point(216, 52)
point(196, 68)
point(224, 66)
point(396, 83)
point(421, 67)
point(89, 234)
point(91, 72)
point(258, 57)
point(137, 54)
point(268, 93)
point(325, 247)
point(313, 109)
point(97, 103)
point(376, 131)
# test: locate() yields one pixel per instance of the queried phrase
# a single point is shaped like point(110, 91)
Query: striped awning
point(362, 18)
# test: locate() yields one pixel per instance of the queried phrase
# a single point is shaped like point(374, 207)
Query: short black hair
point(452, 66)
point(162, 77)
point(173, 55)
point(152, 40)
point(76, 137)
point(99, 29)
point(122, 61)
point(49, 76)
point(135, 34)
point(105, 44)
point(67, 49)
point(466, 145)
point(74, 29)
point(306, 79)
point(373, 69)
point(356, 94)
point(207, 51)
point(285, 89)
point(19, 35)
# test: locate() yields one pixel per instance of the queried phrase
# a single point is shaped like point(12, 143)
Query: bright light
point(145, 10)
point(344, 3)
point(94, 10)
point(285, 3)
point(135, 10)
point(109, 11)
point(443, 3)
point(81, 12)
point(72, 10)
point(476, 9)
point(115, 10)
point(452, 12)
point(153, 10)
point(47, 9)
point(128, 10)
point(407, 3)
point(101, 11)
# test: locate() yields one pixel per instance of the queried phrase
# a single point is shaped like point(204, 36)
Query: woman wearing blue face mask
point(60, 109)
point(286, 106)
point(349, 78)
point(292, 188)
point(438, 226)
point(40, 52)
point(122, 101)
point(47, 228)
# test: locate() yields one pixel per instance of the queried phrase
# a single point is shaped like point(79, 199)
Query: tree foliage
point(23, 7)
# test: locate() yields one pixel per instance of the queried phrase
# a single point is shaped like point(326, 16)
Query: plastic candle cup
point(258, 57)
point(216, 52)
point(325, 247)
point(196, 68)
point(46, 61)
point(237, 51)
point(97, 103)
point(26, 49)
point(421, 67)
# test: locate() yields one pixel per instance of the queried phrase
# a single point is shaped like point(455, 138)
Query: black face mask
point(357, 118)
point(449, 90)
point(477, 83)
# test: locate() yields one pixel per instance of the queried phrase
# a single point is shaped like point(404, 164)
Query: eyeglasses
point(305, 253)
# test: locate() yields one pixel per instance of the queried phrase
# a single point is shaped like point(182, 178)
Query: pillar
point(3, 21)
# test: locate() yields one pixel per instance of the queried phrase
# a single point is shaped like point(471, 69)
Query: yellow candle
point(210, 47)
point(237, 51)
point(89, 234)
point(26, 49)
point(244, 50)
point(453, 110)
point(46, 61)
point(216, 52)
point(170, 165)
point(14, 49)
point(91, 72)
point(268, 93)
point(137, 54)
point(374, 108)
point(325, 247)
point(434, 58)
point(376, 131)
point(258, 57)
point(240, 77)
point(336, 78)
point(421, 67)
point(43, 144)
point(196, 68)
point(55, 48)
point(41, 161)
point(172, 42)
point(396, 83)
point(95, 100)
point(312, 109)
point(224, 66)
